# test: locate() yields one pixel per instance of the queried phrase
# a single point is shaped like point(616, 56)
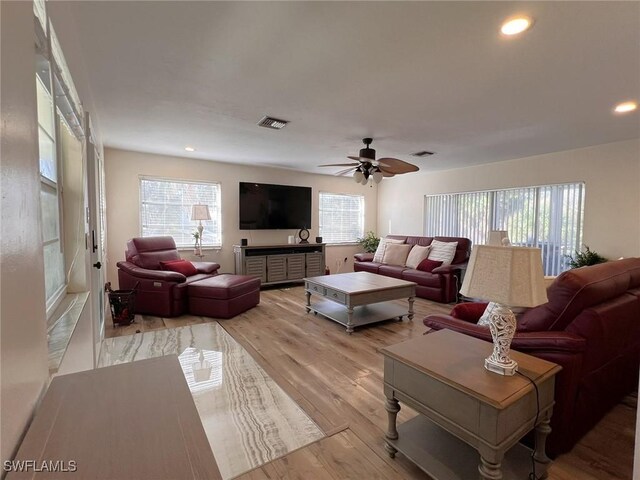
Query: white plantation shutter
point(165, 209)
point(341, 217)
point(548, 217)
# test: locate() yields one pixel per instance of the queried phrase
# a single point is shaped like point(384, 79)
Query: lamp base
point(508, 369)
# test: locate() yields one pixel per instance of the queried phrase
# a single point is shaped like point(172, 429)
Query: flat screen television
point(271, 207)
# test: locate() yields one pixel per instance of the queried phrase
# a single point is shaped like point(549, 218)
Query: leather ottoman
point(224, 295)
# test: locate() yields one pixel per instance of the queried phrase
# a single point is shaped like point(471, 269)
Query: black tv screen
point(271, 207)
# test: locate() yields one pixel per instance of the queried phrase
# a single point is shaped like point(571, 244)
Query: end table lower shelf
point(445, 457)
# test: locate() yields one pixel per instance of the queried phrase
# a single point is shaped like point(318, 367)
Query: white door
point(95, 240)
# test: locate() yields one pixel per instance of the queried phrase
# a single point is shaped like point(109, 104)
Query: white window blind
point(341, 217)
point(547, 217)
point(165, 209)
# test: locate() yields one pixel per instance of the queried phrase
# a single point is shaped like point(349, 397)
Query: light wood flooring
point(337, 379)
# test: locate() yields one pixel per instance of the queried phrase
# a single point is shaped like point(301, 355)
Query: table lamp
point(509, 277)
point(200, 212)
point(498, 238)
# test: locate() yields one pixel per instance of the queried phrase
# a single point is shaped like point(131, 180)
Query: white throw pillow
point(396, 254)
point(416, 255)
point(484, 319)
point(442, 251)
point(379, 255)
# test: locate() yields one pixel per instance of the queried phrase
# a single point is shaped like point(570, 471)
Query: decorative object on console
point(498, 238)
point(200, 212)
point(303, 235)
point(368, 167)
point(318, 239)
point(510, 277)
point(442, 251)
point(244, 242)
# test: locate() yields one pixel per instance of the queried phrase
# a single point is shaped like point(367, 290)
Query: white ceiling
point(415, 76)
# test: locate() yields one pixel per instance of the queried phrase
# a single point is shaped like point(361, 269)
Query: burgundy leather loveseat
point(591, 327)
point(161, 293)
point(440, 285)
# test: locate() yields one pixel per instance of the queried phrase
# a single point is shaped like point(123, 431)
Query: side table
point(466, 409)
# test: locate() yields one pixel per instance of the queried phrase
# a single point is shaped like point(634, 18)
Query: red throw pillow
point(181, 266)
point(427, 265)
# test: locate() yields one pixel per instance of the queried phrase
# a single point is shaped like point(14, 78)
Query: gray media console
point(280, 263)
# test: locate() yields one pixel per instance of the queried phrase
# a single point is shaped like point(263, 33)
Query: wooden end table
point(466, 409)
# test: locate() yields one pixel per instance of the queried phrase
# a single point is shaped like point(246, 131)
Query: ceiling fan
point(368, 166)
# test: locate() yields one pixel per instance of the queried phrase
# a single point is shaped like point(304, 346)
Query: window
point(165, 209)
point(53, 255)
point(341, 217)
point(547, 217)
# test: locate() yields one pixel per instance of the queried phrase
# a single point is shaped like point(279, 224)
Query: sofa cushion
point(184, 267)
point(148, 252)
point(396, 254)
point(443, 251)
point(394, 271)
point(416, 255)
point(427, 265)
point(424, 279)
point(379, 255)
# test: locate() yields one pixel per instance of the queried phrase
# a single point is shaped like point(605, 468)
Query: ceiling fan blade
point(346, 170)
point(340, 165)
point(359, 159)
point(386, 172)
point(397, 166)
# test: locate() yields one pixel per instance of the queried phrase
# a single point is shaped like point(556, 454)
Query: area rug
point(249, 420)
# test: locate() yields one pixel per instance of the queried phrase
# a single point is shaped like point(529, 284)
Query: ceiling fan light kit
point(368, 167)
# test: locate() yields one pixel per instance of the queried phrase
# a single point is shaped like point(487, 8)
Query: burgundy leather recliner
point(158, 292)
point(591, 327)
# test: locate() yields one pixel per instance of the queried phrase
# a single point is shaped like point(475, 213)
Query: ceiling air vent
point(423, 153)
point(270, 122)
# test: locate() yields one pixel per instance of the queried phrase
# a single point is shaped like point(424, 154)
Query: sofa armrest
point(206, 267)
point(529, 342)
point(146, 274)
point(363, 257)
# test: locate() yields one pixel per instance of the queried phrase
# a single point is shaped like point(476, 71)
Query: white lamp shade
point(364, 180)
point(496, 236)
point(358, 176)
point(511, 276)
point(200, 212)
point(377, 176)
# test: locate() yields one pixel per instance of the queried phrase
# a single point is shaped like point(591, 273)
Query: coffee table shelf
point(362, 315)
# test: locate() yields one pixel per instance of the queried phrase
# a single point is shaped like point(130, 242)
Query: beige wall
point(611, 173)
point(23, 343)
point(123, 169)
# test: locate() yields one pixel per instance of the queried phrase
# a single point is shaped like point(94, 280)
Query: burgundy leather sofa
point(591, 327)
point(441, 285)
point(160, 293)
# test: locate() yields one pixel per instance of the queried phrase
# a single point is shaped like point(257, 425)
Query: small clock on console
point(303, 234)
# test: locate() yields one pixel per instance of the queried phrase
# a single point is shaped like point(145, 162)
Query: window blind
point(548, 217)
point(165, 209)
point(341, 217)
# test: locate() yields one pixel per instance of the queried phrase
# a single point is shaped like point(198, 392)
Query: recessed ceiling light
point(516, 25)
point(625, 107)
point(190, 149)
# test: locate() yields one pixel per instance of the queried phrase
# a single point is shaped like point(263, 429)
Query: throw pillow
point(379, 255)
point(396, 254)
point(416, 255)
point(442, 251)
point(484, 319)
point(184, 267)
point(427, 265)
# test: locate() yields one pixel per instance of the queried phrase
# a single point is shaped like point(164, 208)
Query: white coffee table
point(359, 298)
